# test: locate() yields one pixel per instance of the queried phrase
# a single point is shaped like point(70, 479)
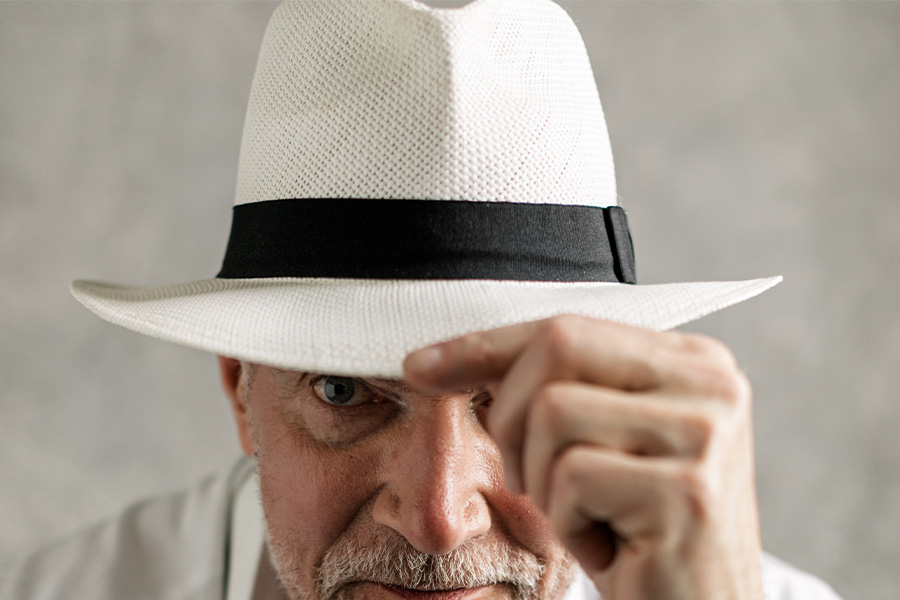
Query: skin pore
point(372, 489)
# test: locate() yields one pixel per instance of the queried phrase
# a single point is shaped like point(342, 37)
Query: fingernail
point(424, 360)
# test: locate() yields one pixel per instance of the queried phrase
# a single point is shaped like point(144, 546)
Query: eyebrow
point(400, 386)
point(397, 385)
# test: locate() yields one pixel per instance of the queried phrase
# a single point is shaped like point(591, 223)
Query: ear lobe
point(233, 374)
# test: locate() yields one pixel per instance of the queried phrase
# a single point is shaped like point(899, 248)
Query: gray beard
point(386, 558)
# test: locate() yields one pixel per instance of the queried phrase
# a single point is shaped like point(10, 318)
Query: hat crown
point(494, 101)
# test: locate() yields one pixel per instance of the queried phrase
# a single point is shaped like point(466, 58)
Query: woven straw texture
point(366, 327)
point(393, 99)
point(374, 99)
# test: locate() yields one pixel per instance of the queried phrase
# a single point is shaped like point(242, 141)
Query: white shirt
point(206, 544)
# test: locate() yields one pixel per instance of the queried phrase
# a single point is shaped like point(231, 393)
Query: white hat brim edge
point(367, 327)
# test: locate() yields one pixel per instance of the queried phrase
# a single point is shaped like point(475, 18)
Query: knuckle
point(733, 387)
point(709, 347)
point(742, 390)
point(729, 385)
point(480, 351)
point(700, 428)
point(695, 490)
point(567, 469)
point(656, 359)
point(559, 334)
point(651, 371)
point(548, 410)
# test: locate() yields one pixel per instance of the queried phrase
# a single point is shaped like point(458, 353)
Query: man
point(433, 345)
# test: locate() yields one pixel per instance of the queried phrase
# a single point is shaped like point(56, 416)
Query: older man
point(436, 354)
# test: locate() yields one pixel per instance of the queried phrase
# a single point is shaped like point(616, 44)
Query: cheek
point(531, 528)
point(518, 515)
point(527, 524)
point(306, 488)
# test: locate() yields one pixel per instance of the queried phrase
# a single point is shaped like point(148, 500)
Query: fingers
point(636, 444)
point(519, 361)
point(468, 361)
point(597, 485)
point(599, 352)
point(594, 486)
point(565, 413)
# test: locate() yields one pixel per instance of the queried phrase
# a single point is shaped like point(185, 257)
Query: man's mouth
point(452, 594)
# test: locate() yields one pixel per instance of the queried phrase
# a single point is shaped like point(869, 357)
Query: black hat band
point(433, 239)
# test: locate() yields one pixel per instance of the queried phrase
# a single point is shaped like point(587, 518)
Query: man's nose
point(437, 476)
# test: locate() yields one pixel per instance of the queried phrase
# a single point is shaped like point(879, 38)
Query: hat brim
point(366, 327)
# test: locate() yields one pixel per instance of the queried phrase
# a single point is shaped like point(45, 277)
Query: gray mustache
point(393, 561)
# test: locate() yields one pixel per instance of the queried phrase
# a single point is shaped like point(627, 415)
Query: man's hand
point(636, 444)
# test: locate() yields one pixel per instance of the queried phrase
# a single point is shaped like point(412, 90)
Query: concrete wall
point(751, 139)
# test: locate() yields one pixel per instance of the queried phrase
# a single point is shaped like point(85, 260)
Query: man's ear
point(233, 380)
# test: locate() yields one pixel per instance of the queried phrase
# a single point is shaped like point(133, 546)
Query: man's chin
point(378, 591)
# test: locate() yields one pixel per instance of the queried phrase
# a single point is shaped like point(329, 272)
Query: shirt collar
point(246, 540)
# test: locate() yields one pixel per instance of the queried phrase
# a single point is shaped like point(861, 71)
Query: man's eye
point(341, 391)
point(483, 400)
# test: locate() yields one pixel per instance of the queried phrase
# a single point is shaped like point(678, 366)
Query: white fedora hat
point(408, 175)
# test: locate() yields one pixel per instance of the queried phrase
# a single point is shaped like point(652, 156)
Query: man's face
point(374, 490)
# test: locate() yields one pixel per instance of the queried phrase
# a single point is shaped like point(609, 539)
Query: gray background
point(751, 139)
